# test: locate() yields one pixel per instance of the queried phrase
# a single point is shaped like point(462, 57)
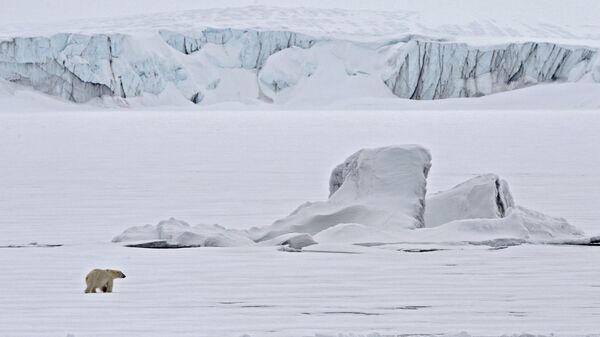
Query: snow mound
point(286, 69)
point(177, 233)
point(354, 233)
point(486, 196)
point(292, 240)
point(519, 223)
point(383, 187)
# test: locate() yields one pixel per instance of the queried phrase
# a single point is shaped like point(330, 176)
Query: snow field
point(81, 177)
point(264, 292)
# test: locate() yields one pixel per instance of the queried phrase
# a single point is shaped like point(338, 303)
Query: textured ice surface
point(81, 67)
point(433, 70)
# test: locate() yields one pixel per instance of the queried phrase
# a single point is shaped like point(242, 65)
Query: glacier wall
point(216, 65)
point(434, 70)
point(254, 47)
point(81, 67)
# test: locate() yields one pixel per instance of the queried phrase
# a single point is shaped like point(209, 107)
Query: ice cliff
point(433, 70)
point(254, 47)
point(81, 67)
point(216, 65)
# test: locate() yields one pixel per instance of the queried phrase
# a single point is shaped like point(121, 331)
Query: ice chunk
point(485, 196)
point(382, 188)
point(519, 223)
point(292, 240)
point(356, 233)
point(177, 233)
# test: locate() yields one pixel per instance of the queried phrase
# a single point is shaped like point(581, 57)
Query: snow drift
point(519, 223)
point(213, 65)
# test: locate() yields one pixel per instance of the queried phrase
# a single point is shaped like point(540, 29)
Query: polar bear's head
point(116, 273)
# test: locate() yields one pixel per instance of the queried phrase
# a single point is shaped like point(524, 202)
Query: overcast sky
point(557, 11)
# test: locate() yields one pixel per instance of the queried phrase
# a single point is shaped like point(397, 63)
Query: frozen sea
point(79, 178)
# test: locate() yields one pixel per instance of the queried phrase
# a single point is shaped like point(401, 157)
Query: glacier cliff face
point(254, 47)
point(434, 70)
point(215, 65)
point(81, 67)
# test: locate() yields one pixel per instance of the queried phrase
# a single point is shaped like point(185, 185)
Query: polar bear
point(103, 279)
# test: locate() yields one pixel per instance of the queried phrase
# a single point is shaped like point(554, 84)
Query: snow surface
point(263, 292)
point(465, 19)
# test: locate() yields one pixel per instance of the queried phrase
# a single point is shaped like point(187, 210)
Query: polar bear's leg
point(88, 284)
point(109, 286)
